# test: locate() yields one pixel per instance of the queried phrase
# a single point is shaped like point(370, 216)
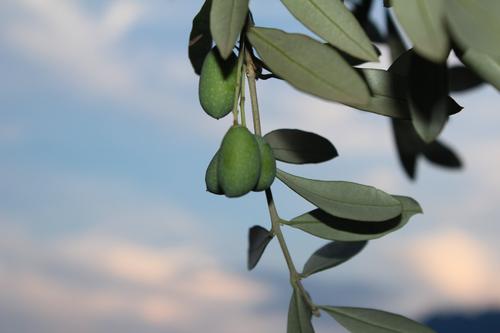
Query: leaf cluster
point(414, 93)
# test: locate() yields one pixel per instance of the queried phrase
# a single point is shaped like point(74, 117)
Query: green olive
point(268, 165)
point(239, 162)
point(211, 179)
point(217, 84)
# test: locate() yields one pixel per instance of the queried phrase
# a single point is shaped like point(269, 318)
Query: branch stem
point(295, 277)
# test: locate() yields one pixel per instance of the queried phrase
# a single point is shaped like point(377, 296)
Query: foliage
point(414, 93)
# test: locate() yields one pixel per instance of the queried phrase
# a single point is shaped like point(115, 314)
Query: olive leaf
point(428, 94)
point(424, 22)
point(326, 226)
point(331, 255)
point(299, 315)
point(462, 78)
point(332, 21)
point(344, 199)
point(227, 18)
point(438, 153)
point(362, 320)
point(475, 24)
point(487, 67)
point(390, 94)
point(200, 38)
point(258, 239)
point(408, 145)
point(300, 147)
point(309, 65)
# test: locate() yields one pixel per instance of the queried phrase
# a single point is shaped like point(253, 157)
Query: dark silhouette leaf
point(333, 22)
point(408, 144)
point(428, 83)
point(200, 38)
point(331, 255)
point(362, 320)
point(309, 65)
point(326, 226)
point(442, 155)
point(300, 147)
point(344, 199)
point(299, 315)
point(462, 79)
point(227, 19)
point(258, 238)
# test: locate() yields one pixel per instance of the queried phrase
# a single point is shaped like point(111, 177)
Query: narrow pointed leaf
point(299, 315)
point(300, 147)
point(309, 65)
point(440, 154)
point(326, 226)
point(258, 238)
point(390, 94)
point(344, 199)
point(200, 38)
point(227, 19)
point(362, 320)
point(475, 24)
point(408, 144)
point(428, 94)
point(463, 79)
point(332, 21)
point(485, 66)
point(424, 22)
point(331, 255)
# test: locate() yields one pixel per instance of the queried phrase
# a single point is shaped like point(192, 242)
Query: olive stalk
point(237, 90)
point(295, 276)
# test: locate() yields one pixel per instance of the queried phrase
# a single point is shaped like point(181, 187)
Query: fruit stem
point(253, 93)
point(237, 90)
point(242, 97)
point(295, 277)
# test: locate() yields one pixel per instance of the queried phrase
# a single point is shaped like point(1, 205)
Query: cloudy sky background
point(105, 225)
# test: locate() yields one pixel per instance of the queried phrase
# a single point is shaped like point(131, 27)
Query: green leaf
point(361, 320)
point(258, 238)
point(344, 199)
point(227, 19)
point(299, 315)
point(394, 39)
point(300, 147)
point(485, 66)
point(388, 93)
point(326, 226)
point(424, 22)
point(200, 38)
point(429, 88)
point(462, 79)
point(331, 255)
point(332, 21)
point(475, 24)
point(309, 65)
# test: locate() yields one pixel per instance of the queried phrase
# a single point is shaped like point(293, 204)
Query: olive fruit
point(211, 179)
point(268, 165)
point(239, 162)
point(217, 84)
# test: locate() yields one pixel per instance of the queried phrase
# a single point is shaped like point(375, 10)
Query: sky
point(105, 224)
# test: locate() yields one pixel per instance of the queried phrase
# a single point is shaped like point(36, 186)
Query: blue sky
point(105, 222)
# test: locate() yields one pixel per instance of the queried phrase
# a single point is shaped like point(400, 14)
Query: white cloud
point(457, 267)
point(85, 279)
